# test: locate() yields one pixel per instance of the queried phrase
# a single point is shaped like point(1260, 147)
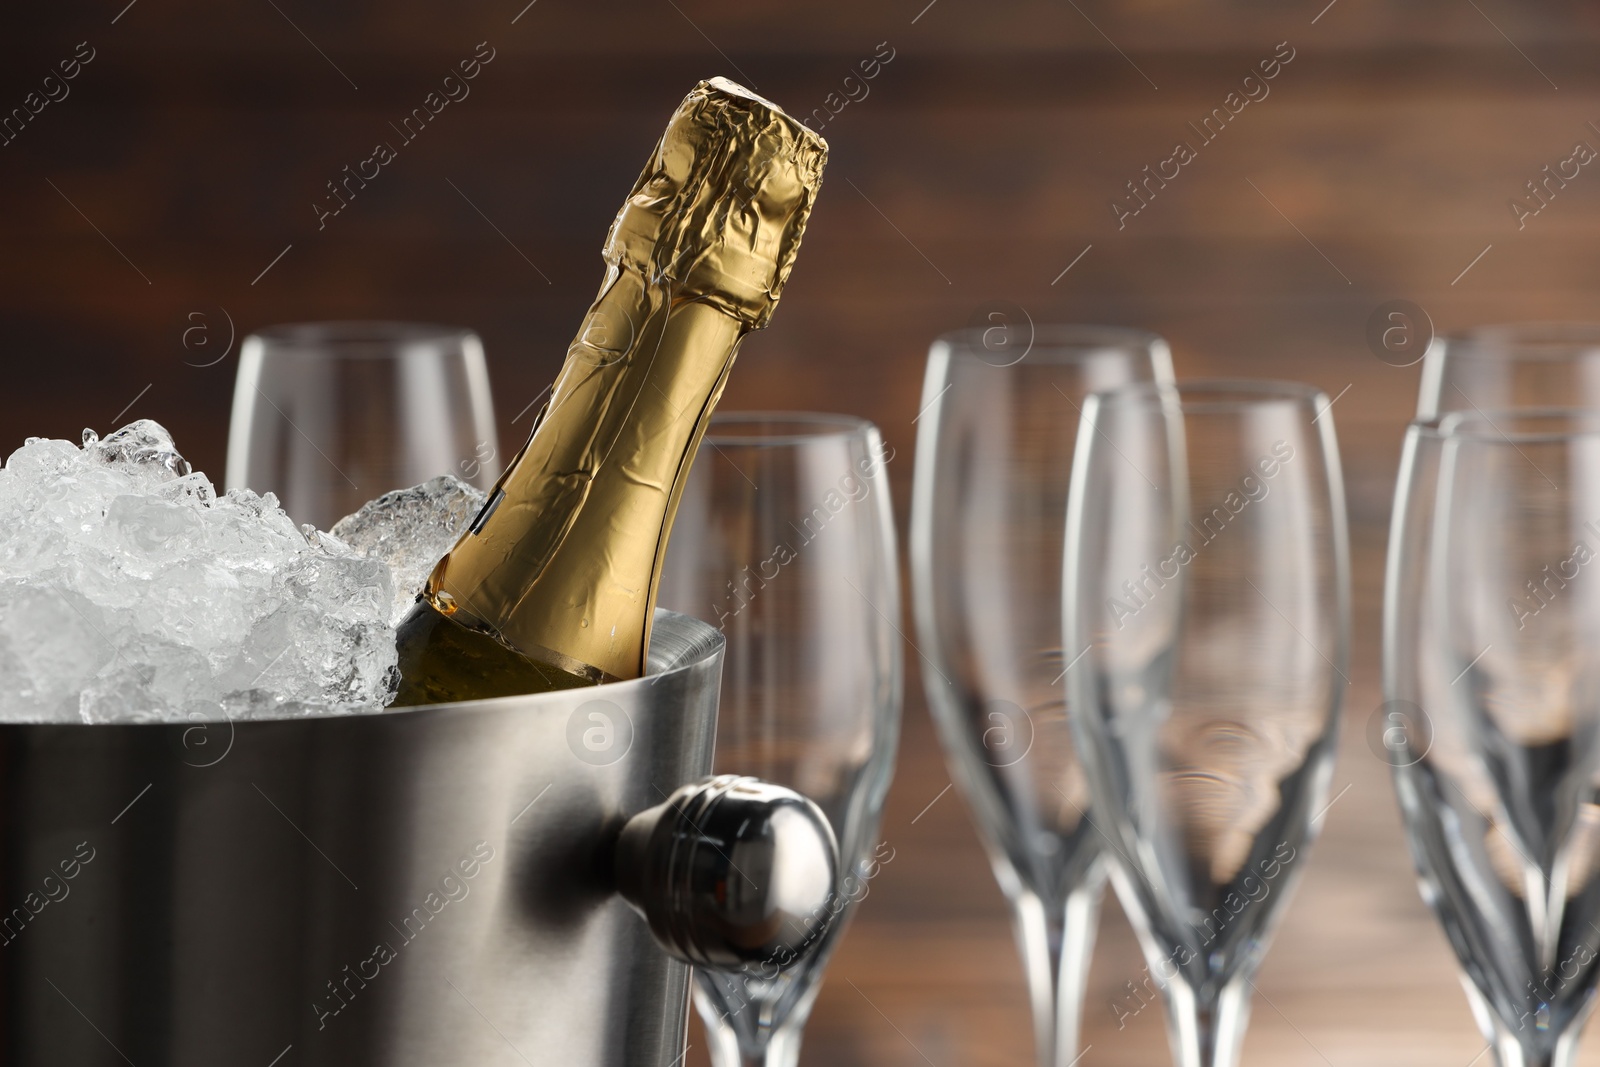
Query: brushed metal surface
point(421, 887)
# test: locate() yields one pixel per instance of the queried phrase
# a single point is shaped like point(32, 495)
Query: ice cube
point(130, 591)
point(409, 529)
point(53, 643)
point(144, 446)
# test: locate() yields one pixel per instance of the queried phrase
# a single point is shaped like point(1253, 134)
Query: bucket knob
point(731, 872)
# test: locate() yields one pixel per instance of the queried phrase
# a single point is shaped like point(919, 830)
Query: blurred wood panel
point(983, 160)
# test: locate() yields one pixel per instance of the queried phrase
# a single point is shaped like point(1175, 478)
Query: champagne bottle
point(553, 584)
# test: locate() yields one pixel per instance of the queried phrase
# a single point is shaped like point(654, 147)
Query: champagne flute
point(329, 415)
point(785, 540)
point(994, 457)
point(1536, 365)
point(1519, 365)
point(1206, 585)
point(1492, 616)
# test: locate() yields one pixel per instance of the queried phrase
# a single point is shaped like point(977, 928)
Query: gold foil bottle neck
point(564, 559)
point(719, 212)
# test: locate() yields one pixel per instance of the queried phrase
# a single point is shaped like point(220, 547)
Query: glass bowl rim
point(1054, 343)
point(1538, 339)
point(1480, 427)
point(1232, 394)
point(824, 425)
point(353, 338)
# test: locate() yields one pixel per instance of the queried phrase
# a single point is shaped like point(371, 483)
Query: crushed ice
point(409, 529)
point(130, 591)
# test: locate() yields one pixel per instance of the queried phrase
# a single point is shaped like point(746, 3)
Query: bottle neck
point(566, 554)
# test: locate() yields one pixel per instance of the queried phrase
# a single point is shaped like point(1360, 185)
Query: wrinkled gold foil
point(564, 561)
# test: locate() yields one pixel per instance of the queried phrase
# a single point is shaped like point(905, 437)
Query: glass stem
point(1207, 1032)
point(783, 1050)
point(1510, 1052)
point(768, 1048)
point(1056, 946)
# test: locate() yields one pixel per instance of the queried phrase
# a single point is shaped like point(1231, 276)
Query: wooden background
point(981, 164)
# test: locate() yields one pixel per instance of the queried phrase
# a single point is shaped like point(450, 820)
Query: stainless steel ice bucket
point(429, 887)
